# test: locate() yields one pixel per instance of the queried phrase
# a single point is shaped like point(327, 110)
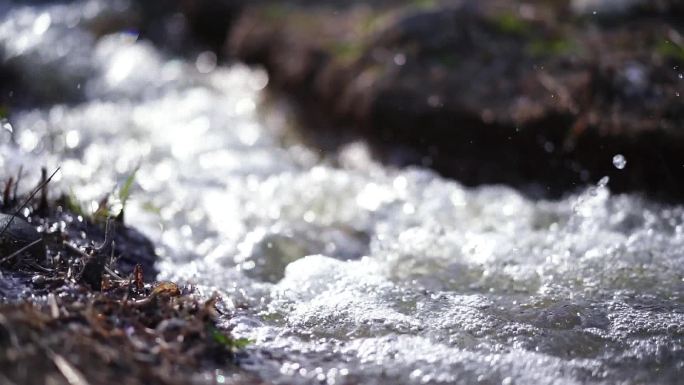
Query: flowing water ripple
point(346, 274)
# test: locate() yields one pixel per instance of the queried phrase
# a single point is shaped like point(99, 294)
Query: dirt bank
point(79, 305)
point(512, 92)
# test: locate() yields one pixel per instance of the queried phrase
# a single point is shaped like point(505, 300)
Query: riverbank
point(79, 305)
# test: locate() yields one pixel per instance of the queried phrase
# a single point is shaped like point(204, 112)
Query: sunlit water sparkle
point(347, 273)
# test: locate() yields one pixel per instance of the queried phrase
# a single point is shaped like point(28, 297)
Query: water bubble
point(259, 81)
point(549, 147)
point(206, 62)
point(72, 138)
point(619, 161)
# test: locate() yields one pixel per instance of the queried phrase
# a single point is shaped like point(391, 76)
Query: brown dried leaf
point(166, 288)
point(138, 277)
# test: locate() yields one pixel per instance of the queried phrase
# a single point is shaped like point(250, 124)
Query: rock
point(130, 246)
point(612, 8)
point(487, 92)
point(181, 24)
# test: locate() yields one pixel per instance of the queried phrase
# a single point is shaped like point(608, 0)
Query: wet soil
point(82, 307)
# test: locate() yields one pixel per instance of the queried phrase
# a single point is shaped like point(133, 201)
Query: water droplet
point(6, 125)
point(435, 101)
point(399, 59)
point(619, 161)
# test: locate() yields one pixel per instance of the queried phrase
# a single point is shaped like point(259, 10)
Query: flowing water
point(341, 270)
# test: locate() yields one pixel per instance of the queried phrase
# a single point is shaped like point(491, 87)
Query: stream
point(341, 270)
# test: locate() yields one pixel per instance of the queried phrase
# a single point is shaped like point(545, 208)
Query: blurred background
point(491, 91)
point(544, 95)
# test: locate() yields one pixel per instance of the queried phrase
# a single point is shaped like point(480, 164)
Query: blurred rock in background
point(492, 91)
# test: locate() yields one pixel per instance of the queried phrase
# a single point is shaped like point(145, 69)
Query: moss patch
point(671, 50)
